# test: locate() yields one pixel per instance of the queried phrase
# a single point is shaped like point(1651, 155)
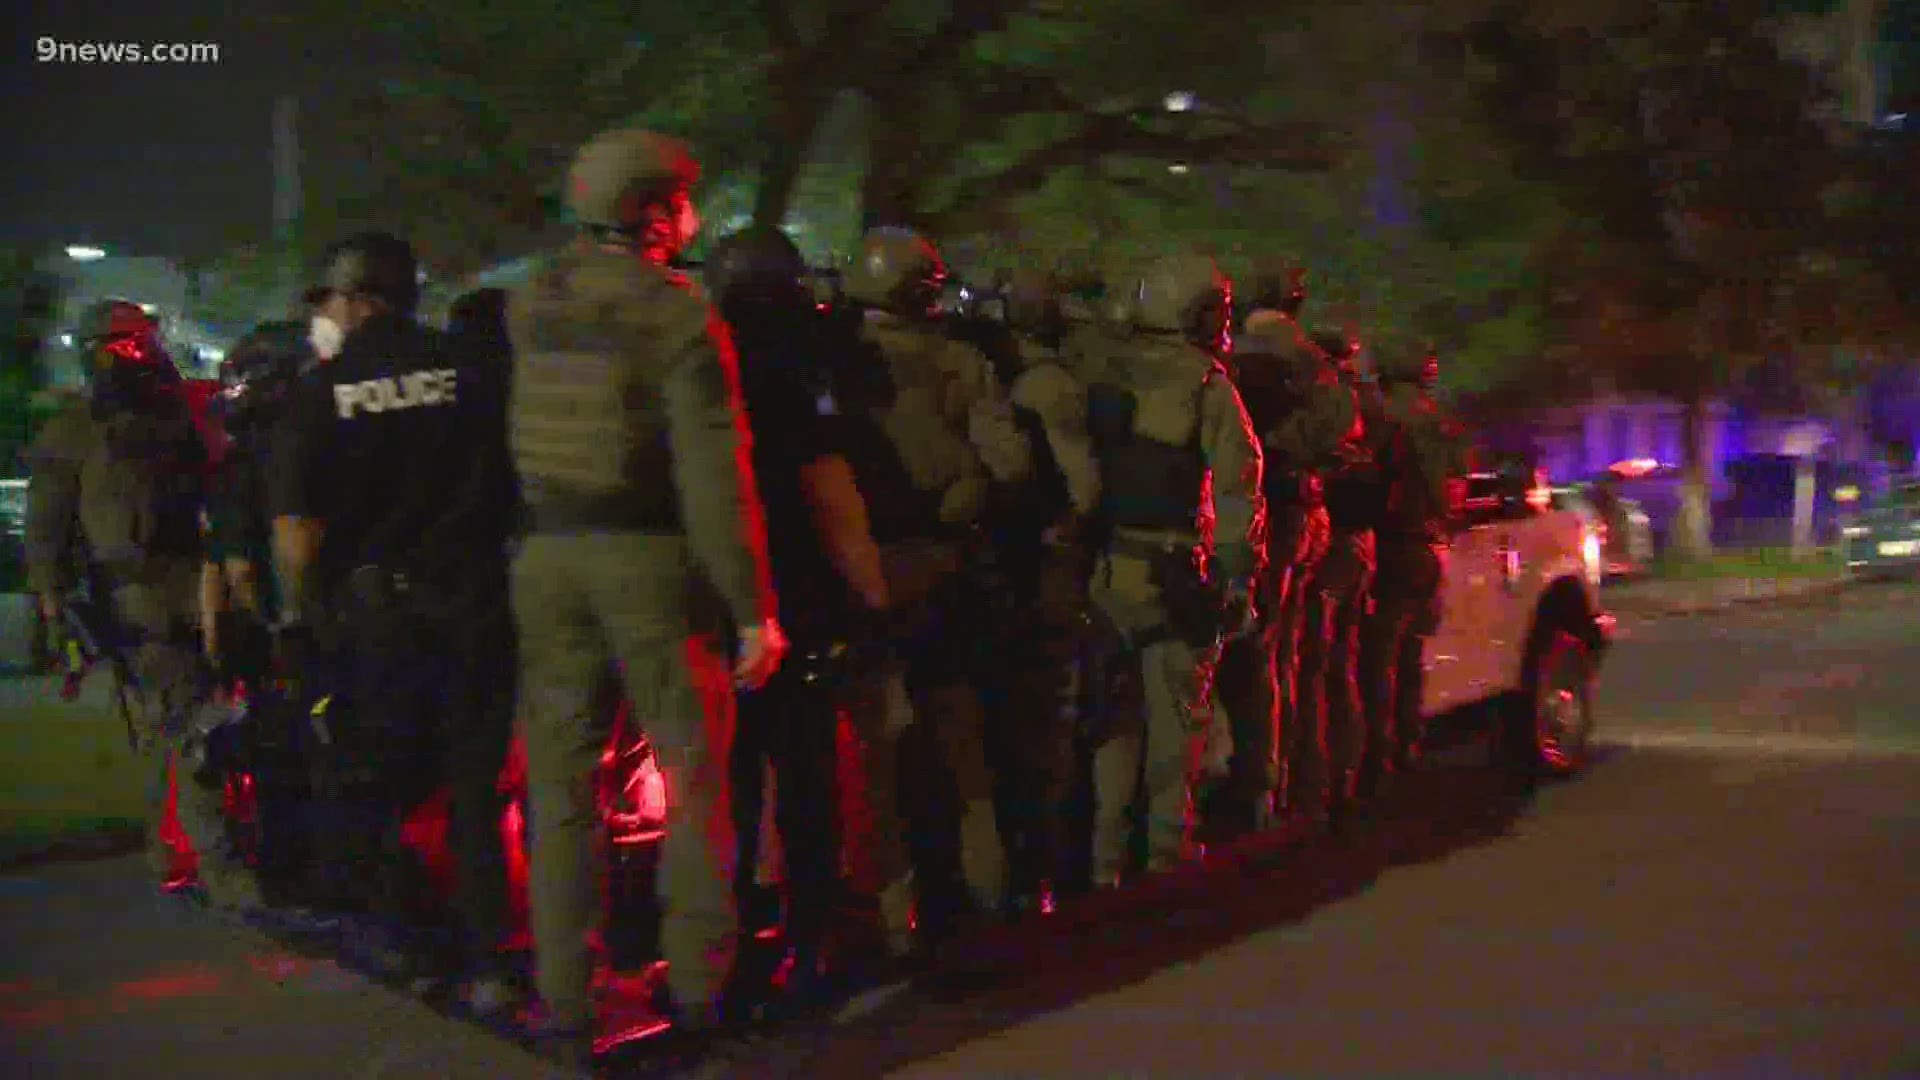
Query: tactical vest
point(1271, 397)
point(1415, 470)
point(1356, 496)
point(1146, 484)
point(143, 486)
point(590, 431)
point(899, 507)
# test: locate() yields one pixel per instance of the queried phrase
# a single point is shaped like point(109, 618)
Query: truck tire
point(1548, 727)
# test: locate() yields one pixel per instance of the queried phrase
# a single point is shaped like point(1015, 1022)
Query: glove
point(1241, 615)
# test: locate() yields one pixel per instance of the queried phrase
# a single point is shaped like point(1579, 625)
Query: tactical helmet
point(1183, 294)
point(1033, 301)
point(897, 269)
point(375, 264)
point(482, 313)
point(617, 167)
point(1339, 347)
point(1278, 286)
point(1413, 361)
point(105, 320)
point(260, 371)
point(757, 265)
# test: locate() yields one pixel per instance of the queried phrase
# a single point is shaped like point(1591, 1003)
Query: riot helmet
point(1177, 294)
point(757, 267)
point(1278, 286)
point(371, 265)
point(259, 373)
point(897, 270)
point(1033, 303)
point(127, 364)
point(477, 321)
point(618, 173)
point(1413, 362)
point(110, 320)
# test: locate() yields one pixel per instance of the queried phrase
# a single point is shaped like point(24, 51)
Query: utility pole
point(286, 194)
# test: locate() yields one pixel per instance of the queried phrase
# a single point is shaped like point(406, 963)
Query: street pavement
point(1731, 891)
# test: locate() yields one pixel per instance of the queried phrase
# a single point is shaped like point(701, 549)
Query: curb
point(1722, 596)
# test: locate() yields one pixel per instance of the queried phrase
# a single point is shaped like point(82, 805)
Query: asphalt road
point(1734, 890)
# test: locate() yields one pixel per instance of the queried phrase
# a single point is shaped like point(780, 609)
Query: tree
point(1697, 170)
point(473, 143)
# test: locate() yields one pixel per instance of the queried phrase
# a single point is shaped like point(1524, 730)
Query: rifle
point(88, 639)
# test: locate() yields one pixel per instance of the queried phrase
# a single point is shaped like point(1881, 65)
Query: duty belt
point(1148, 547)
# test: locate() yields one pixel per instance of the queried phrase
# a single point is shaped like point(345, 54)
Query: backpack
point(143, 482)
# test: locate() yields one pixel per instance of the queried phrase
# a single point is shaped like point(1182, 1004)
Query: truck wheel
point(1550, 725)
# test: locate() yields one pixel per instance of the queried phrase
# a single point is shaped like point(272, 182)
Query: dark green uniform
point(1051, 560)
point(1308, 444)
point(1168, 427)
point(1424, 450)
point(125, 485)
point(1299, 424)
point(924, 503)
point(629, 438)
point(1338, 598)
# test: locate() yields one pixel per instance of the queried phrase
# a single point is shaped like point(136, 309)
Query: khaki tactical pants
point(155, 615)
point(584, 603)
point(1153, 752)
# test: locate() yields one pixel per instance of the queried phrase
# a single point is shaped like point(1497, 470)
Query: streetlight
point(85, 253)
point(1180, 101)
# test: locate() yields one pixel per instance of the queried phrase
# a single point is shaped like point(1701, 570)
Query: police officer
point(240, 599)
point(927, 488)
point(1425, 454)
point(119, 488)
point(1164, 416)
point(632, 449)
point(1283, 379)
point(1338, 593)
point(826, 571)
point(386, 498)
point(1041, 545)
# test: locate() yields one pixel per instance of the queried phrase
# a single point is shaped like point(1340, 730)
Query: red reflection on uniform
point(169, 987)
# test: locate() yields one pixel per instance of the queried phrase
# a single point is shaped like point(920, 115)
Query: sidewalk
point(160, 989)
point(1654, 596)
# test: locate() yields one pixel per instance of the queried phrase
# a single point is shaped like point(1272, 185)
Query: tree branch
point(1293, 146)
point(777, 15)
point(967, 21)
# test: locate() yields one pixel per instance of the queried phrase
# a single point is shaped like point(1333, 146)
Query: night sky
point(161, 159)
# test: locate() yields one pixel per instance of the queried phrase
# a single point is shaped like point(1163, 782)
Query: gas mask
point(325, 336)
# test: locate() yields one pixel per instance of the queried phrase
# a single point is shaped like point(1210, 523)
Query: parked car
point(1883, 540)
point(1624, 527)
point(1521, 627)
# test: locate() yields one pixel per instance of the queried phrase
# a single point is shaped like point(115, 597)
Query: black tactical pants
point(788, 729)
point(1336, 606)
point(1405, 613)
point(422, 694)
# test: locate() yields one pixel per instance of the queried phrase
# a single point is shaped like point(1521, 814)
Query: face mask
point(325, 336)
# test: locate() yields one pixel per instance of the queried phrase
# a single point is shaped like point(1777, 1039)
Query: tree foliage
point(1698, 166)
